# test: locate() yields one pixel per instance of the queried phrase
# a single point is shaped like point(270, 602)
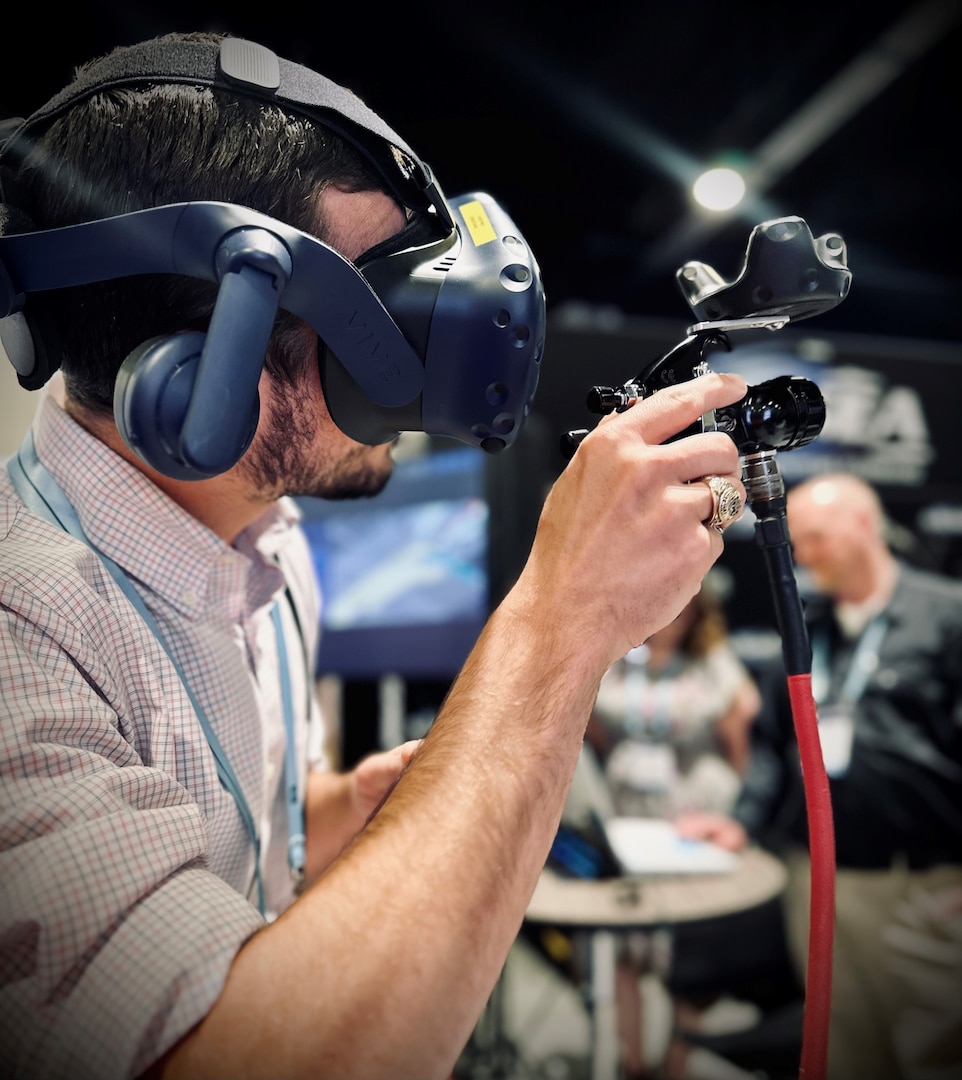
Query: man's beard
point(284, 460)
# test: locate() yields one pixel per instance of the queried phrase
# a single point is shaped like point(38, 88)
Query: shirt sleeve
point(115, 937)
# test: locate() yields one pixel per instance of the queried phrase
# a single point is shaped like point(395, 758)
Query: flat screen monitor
point(405, 576)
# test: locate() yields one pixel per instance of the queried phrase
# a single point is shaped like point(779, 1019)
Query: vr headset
point(441, 329)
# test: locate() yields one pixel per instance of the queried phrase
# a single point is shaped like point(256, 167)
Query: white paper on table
point(648, 846)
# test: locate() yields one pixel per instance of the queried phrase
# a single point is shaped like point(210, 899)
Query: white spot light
point(719, 189)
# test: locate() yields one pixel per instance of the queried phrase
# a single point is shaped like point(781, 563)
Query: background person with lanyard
point(671, 729)
point(887, 679)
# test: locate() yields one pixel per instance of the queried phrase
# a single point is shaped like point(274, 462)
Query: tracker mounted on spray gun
point(787, 275)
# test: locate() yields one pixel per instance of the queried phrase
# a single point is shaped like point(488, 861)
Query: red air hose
point(821, 844)
point(771, 532)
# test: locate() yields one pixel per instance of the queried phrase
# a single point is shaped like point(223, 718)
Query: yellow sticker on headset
point(477, 222)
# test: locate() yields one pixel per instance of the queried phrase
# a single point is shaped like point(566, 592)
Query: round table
point(606, 906)
point(657, 899)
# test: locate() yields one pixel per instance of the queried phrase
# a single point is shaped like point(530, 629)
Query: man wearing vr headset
point(157, 624)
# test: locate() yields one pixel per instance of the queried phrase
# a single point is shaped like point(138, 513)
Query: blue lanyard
point(296, 837)
point(41, 493)
point(647, 698)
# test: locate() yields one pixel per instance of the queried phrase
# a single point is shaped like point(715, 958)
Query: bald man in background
point(886, 674)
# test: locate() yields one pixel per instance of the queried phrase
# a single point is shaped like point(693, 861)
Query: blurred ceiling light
point(719, 189)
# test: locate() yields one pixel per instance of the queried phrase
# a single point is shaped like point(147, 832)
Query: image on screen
point(404, 576)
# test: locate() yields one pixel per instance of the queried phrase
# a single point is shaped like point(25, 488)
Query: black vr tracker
point(441, 329)
point(787, 275)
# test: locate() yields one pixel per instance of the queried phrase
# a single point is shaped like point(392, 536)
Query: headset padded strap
point(301, 90)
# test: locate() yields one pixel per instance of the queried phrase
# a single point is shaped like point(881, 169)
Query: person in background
point(671, 728)
point(672, 720)
point(133, 936)
point(886, 643)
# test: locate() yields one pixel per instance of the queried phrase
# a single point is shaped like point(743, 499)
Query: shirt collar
point(150, 536)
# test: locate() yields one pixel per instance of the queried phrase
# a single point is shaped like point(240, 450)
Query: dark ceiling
point(587, 124)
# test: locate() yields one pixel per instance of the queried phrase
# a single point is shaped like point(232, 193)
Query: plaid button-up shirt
point(126, 871)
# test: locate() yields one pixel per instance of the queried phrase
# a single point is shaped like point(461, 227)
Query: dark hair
point(129, 149)
point(708, 624)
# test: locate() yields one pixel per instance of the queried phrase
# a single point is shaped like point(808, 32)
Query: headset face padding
point(440, 331)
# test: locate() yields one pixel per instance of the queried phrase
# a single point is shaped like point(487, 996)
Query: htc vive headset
point(441, 330)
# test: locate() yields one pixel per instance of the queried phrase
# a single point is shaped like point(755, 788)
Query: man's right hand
point(408, 929)
point(621, 546)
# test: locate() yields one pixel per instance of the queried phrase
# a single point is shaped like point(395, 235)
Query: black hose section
point(771, 533)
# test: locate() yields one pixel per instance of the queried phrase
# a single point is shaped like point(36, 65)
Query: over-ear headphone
point(440, 330)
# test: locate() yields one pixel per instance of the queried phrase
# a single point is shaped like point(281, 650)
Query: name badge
point(836, 727)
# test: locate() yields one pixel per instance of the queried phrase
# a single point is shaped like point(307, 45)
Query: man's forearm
point(347, 983)
point(383, 966)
